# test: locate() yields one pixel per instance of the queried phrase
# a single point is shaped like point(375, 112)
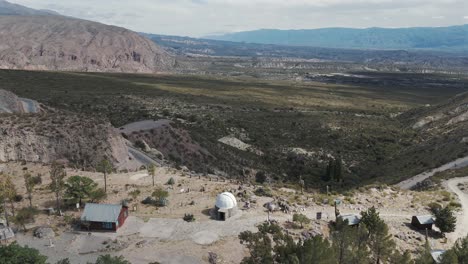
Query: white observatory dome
point(226, 200)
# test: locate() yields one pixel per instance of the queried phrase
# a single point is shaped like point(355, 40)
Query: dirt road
point(411, 182)
point(462, 218)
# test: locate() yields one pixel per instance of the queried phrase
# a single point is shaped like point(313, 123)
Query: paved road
point(408, 184)
point(462, 219)
point(141, 157)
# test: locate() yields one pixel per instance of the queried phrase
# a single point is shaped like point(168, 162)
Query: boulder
point(44, 232)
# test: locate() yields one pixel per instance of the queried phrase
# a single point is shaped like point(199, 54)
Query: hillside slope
point(67, 44)
point(51, 135)
point(453, 38)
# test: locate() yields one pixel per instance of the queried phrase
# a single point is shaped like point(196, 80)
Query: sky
point(197, 18)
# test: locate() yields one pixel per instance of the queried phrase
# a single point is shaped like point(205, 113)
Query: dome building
point(225, 206)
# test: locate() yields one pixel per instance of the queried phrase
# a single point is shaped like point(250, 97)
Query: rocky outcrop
point(68, 44)
point(54, 135)
point(10, 103)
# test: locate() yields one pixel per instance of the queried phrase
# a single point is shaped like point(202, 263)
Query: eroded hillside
point(67, 44)
point(51, 135)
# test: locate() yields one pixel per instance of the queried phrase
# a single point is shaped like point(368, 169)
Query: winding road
point(462, 218)
point(411, 182)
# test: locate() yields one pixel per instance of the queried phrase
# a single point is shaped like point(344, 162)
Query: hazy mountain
point(7, 8)
point(62, 43)
point(453, 38)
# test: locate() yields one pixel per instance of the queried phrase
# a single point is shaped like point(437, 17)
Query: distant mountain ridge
point(453, 38)
point(10, 9)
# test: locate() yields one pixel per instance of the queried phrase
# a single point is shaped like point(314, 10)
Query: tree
point(301, 219)
point(338, 176)
point(458, 254)
point(57, 185)
point(425, 256)
point(29, 182)
point(152, 171)
point(24, 216)
point(350, 243)
point(79, 188)
point(108, 259)
point(445, 220)
point(380, 241)
point(105, 167)
point(97, 195)
point(8, 193)
point(259, 245)
point(272, 245)
point(330, 171)
point(16, 254)
point(260, 177)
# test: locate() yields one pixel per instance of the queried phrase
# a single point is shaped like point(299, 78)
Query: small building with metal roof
point(352, 219)
point(6, 233)
point(225, 206)
point(437, 255)
point(422, 221)
point(103, 217)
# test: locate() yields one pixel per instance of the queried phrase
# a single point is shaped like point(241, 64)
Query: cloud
point(203, 17)
point(465, 17)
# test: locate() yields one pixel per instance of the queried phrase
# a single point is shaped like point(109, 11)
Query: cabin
point(422, 222)
point(103, 217)
point(353, 220)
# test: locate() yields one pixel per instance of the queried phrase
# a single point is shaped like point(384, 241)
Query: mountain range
point(454, 38)
point(9, 9)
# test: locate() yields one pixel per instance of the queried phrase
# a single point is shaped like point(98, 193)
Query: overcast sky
point(205, 17)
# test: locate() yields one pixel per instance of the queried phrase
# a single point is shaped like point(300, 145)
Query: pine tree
point(338, 170)
point(445, 220)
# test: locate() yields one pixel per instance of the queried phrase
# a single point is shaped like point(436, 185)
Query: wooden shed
point(422, 221)
point(103, 217)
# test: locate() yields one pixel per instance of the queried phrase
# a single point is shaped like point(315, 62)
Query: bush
point(434, 207)
point(189, 218)
point(260, 177)
point(263, 192)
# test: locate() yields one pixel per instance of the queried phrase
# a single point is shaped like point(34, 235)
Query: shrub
point(189, 218)
point(263, 192)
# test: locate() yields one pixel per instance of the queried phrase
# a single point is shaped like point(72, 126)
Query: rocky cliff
point(68, 44)
point(51, 135)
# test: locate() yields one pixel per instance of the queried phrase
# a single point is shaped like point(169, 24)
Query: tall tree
point(445, 220)
point(380, 241)
point(8, 192)
point(152, 171)
point(29, 182)
point(458, 254)
point(79, 188)
point(338, 170)
point(57, 185)
point(105, 167)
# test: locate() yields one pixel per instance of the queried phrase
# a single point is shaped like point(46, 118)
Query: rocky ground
point(160, 234)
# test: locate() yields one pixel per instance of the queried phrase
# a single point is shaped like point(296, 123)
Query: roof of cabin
point(108, 213)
